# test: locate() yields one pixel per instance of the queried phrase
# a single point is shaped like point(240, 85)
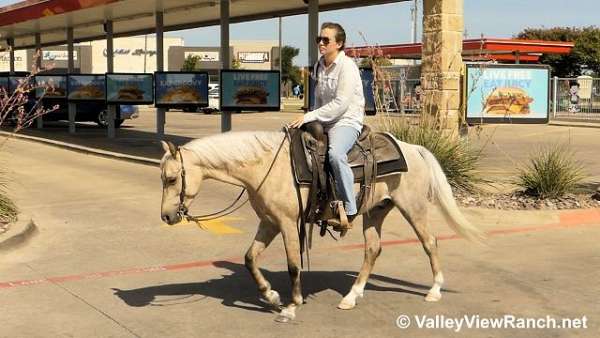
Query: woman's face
point(328, 45)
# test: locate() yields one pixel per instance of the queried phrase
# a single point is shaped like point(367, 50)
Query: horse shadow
point(239, 290)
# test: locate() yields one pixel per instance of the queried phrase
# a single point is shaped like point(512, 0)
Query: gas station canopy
point(51, 18)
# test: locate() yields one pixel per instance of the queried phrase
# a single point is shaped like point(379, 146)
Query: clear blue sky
point(386, 24)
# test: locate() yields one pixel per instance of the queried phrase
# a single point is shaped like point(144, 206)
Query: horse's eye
point(171, 181)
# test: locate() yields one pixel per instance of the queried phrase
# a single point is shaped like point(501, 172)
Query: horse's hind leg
point(372, 232)
point(415, 212)
point(264, 236)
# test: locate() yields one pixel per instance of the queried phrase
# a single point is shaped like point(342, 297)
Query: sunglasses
point(324, 39)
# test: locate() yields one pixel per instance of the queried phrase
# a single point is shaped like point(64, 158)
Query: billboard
point(51, 86)
point(16, 79)
point(86, 87)
point(507, 93)
point(366, 75)
point(250, 90)
point(4, 85)
point(181, 89)
point(131, 88)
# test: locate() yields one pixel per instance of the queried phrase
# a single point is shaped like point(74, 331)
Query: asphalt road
point(104, 265)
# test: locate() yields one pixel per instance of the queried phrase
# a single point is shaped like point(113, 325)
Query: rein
point(183, 210)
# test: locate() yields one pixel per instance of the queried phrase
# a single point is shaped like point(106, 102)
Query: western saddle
point(374, 154)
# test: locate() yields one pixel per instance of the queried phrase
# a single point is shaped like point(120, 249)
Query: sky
point(389, 24)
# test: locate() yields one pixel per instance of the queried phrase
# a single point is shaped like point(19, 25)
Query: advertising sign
point(87, 87)
point(366, 75)
point(250, 90)
point(181, 89)
point(507, 93)
point(14, 80)
point(51, 86)
point(4, 85)
point(129, 88)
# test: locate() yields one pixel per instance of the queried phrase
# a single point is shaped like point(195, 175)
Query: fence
point(576, 99)
point(404, 97)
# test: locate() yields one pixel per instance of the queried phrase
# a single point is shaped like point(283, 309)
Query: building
point(257, 54)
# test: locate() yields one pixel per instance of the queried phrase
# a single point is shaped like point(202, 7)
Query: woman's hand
point(297, 123)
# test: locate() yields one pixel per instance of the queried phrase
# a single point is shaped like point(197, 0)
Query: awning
point(51, 18)
point(476, 49)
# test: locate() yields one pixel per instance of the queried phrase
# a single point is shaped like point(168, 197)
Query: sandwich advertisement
point(129, 88)
point(177, 89)
point(250, 90)
point(87, 87)
point(507, 93)
point(51, 86)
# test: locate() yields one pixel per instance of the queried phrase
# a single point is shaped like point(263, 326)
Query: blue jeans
point(341, 140)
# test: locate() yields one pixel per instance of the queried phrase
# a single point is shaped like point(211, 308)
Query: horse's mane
point(234, 148)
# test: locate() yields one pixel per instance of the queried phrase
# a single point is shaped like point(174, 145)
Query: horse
point(260, 162)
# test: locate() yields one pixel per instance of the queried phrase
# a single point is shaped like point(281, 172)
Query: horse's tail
point(441, 192)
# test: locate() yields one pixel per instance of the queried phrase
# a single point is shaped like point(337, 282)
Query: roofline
point(216, 22)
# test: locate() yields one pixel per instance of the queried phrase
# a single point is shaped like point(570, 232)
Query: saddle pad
point(388, 155)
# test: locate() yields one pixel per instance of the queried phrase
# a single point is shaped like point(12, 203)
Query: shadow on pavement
point(238, 288)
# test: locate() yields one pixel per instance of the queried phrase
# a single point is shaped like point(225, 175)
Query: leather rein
point(183, 210)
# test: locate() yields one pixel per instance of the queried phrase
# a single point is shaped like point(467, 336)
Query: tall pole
point(280, 61)
point(110, 48)
point(71, 70)
point(160, 66)
point(313, 31)
point(226, 62)
point(11, 54)
point(414, 14)
point(38, 65)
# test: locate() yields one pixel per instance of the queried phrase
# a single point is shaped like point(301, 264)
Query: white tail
point(442, 192)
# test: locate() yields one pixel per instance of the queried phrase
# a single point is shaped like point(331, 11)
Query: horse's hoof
point(285, 316)
point(346, 304)
point(272, 297)
point(433, 297)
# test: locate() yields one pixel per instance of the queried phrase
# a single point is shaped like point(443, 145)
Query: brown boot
point(344, 222)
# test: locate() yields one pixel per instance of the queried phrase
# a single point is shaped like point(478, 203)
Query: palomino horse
point(260, 162)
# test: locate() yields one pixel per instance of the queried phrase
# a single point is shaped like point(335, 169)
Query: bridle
point(183, 211)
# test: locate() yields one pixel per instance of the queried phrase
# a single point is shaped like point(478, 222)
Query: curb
point(578, 124)
point(85, 150)
point(18, 234)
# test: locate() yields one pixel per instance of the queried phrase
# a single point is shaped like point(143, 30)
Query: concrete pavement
point(103, 265)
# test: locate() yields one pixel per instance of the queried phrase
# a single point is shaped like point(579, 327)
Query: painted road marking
point(568, 219)
point(217, 226)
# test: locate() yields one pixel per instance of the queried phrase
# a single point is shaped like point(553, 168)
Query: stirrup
point(341, 225)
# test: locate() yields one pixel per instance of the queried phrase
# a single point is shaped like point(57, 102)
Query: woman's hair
point(340, 33)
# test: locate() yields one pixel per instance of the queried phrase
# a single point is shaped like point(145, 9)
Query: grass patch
point(551, 172)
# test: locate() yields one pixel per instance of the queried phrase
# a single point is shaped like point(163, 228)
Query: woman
point(339, 103)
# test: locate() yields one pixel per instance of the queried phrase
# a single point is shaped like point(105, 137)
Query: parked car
point(91, 112)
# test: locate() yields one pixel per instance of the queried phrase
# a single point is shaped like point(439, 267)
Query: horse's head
point(180, 184)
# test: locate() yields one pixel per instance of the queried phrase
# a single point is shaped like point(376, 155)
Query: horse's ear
point(169, 147)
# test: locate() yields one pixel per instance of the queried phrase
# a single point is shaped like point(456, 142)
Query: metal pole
point(11, 54)
point(280, 62)
point(71, 70)
point(313, 31)
point(413, 27)
point(160, 112)
point(226, 62)
point(38, 64)
point(111, 109)
point(555, 97)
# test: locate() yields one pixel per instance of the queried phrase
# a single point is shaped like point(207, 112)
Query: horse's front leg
point(264, 236)
point(292, 249)
point(372, 231)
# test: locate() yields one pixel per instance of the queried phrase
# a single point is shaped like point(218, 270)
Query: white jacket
point(339, 98)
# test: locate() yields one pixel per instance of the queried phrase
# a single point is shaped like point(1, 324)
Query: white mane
point(235, 148)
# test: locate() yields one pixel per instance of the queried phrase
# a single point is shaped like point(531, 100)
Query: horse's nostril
point(165, 218)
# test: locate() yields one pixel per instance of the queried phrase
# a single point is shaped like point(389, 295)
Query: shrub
point(457, 157)
point(551, 172)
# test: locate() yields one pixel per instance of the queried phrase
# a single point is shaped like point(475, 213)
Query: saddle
point(374, 155)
